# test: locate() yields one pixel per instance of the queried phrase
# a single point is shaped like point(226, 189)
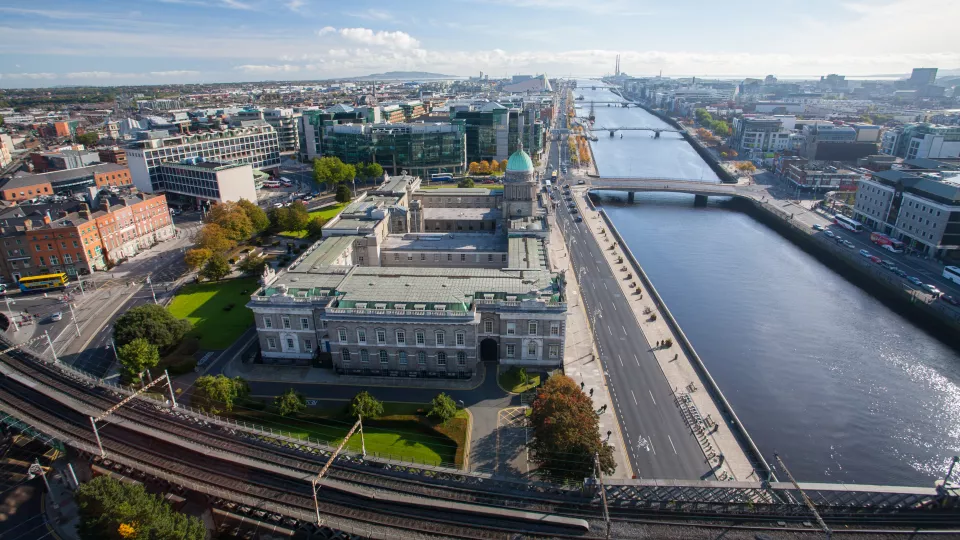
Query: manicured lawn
point(510, 381)
point(203, 305)
point(326, 212)
point(402, 433)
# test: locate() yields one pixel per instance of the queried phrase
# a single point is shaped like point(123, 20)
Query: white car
point(58, 316)
point(817, 227)
point(828, 233)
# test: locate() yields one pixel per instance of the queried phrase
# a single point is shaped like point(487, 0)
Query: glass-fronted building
point(419, 149)
point(495, 131)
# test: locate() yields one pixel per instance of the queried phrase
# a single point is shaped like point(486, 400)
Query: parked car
point(579, 219)
point(817, 227)
point(580, 182)
point(950, 300)
point(931, 289)
point(915, 280)
point(849, 244)
point(865, 253)
point(900, 272)
point(58, 316)
point(278, 205)
point(875, 259)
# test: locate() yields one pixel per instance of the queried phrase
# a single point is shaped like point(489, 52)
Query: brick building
point(25, 186)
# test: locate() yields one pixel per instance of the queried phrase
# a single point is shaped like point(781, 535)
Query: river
point(843, 387)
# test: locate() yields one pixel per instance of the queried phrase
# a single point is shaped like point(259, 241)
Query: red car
point(875, 259)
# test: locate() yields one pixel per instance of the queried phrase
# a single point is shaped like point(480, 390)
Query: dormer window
point(361, 305)
point(440, 307)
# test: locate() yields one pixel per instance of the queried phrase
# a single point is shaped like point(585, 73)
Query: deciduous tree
point(216, 268)
point(442, 408)
point(88, 139)
point(484, 167)
point(466, 183)
point(253, 264)
point(137, 356)
point(195, 258)
point(112, 509)
point(214, 238)
point(315, 227)
point(290, 402)
point(152, 322)
point(566, 431)
point(344, 195)
point(474, 167)
point(494, 165)
point(298, 217)
point(365, 405)
point(258, 218)
point(374, 170)
point(212, 392)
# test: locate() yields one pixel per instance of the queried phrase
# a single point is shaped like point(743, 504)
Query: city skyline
point(70, 42)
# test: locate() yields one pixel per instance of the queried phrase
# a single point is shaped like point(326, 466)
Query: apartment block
point(197, 180)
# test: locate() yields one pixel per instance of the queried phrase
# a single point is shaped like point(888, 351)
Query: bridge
point(656, 131)
point(268, 474)
point(699, 188)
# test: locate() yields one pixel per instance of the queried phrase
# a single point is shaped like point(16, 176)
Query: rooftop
point(445, 242)
point(24, 179)
point(463, 214)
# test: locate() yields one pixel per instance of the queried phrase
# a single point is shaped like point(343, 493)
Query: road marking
point(621, 361)
point(634, 398)
point(614, 306)
point(651, 397)
point(671, 444)
point(637, 359)
point(609, 331)
point(624, 329)
point(605, 286)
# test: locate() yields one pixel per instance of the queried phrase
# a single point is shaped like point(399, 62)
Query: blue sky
point(45, 42)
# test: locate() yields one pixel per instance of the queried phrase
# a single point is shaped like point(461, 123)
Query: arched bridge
point(671, 185)
point(656, 131)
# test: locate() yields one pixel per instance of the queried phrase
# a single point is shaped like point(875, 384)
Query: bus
point(847, 223)
point(45, 282)
point(553, 176)
point(271, 184)
point(441, 177)
point(952, 273)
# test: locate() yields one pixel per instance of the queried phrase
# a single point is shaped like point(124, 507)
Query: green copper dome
point(519, 162)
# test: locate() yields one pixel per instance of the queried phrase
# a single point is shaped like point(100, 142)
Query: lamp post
point(16, 326)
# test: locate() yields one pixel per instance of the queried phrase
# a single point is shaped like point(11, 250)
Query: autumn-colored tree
point(232, 219)
point(196, 257)
point(484, 167)
point(474, 167)
point(503, 166)
point(258, 218)
point(566, 432)
point(494, 165)
point(214, 238)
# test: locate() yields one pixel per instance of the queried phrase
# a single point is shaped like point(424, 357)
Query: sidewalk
point(714, 435)
point(60, 510)
point(580, 359)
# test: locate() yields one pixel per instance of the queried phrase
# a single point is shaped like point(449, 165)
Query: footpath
point(700, 411)
point(580, 359)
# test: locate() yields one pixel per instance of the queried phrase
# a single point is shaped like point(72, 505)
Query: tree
point(220, 390)
point(494, 165)
point(374, 170)
point(137, 356)
point(484, 167)
point(290, 402)
point(503, 166)
point(216, 268)
point(365, 405)
point(442, 408)
point(722, 128)
point(474, 167)
point(88, 139)
point(258, 218)
point(566, 431)
point(279, 218)
point(232, 219)
point(196, 257)
point(344, 195)
point(315, 227)
point(151, 322)
point(214, 238)
point(298, 217)
point(253, 264)
point(466, 182)
point(332, 171)
point(111, 509)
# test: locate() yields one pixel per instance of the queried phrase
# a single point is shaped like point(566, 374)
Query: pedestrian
point(591, 392)
point(581, 385)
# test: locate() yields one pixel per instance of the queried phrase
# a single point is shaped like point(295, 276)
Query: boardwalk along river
point(846, 389)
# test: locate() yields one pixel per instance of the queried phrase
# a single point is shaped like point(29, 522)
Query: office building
point(756, 136)
point(922, 141)
point(420, 149)
point(817, 176)
point(284, 122)
point(829, 142)
point(25, 186)
point(62, 160)
point(382, 294)
point(256, 146)
point(920, 208)
point(196, 180)
point(496, 132)
point(113, 155)
point(311, 123)
point(923, 77)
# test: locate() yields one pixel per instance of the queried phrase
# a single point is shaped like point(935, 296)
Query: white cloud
point(236, 4)
point(326, 30)
point(371, 14)
point(34, 76)
point(398, 39)
point(295, 5)
point(175, 73)
point(266, 69)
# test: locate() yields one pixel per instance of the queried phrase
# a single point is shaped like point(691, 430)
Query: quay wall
point(730, 417)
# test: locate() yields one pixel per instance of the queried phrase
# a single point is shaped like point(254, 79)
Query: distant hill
point(405, 76)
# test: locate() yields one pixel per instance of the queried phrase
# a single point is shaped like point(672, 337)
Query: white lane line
point(609, 331)
point(634, 397)
point(620, 359)
point(614, 306)
point(605, 285)
point(671, 444)
point(624, 329)
point(651, 398)
point(637, 359)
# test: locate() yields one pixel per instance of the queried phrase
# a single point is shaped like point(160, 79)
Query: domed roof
point(520, 162)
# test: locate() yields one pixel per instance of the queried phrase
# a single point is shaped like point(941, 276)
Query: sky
point(113, 42)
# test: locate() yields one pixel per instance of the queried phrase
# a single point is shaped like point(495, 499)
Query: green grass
point(510, 381)
point(403, 433)
point(326, 212)
point(203, 305)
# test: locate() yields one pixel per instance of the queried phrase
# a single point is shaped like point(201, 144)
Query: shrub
point(653, 317)
point(228, 307)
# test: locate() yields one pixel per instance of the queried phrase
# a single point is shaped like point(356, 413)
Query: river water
point(843, 387)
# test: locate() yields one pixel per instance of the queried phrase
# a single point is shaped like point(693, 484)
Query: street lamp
point(10, 311)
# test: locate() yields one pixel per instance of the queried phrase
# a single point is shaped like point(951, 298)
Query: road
point(660, 444)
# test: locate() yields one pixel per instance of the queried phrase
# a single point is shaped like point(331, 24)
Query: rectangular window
point(304, 323)
point(271, 343)
point(440, 340)
point(488, 326)
point(554, 351)
point(463, 257)
point(361, 335)
point(503, 258)
point(511, 328)
point(308, 345)
point(420, 338)
point(511, 350)
point(461, 339)
point(381, 336)
point(345, 355)
point(441, 358)
point(342, 334)
point(423, 256)
point(449, 255)
point(532, 328)
point(402, 356)
point(490, 257)
point(401, 337)
point(286, 322)
point(289, 343)
point(554, 329)
point(267, 322)
point(532, 348)
point(421, 358)
point(384, 357)
point(396, 256)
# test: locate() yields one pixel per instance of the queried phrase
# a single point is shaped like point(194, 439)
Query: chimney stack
point(46, 218)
